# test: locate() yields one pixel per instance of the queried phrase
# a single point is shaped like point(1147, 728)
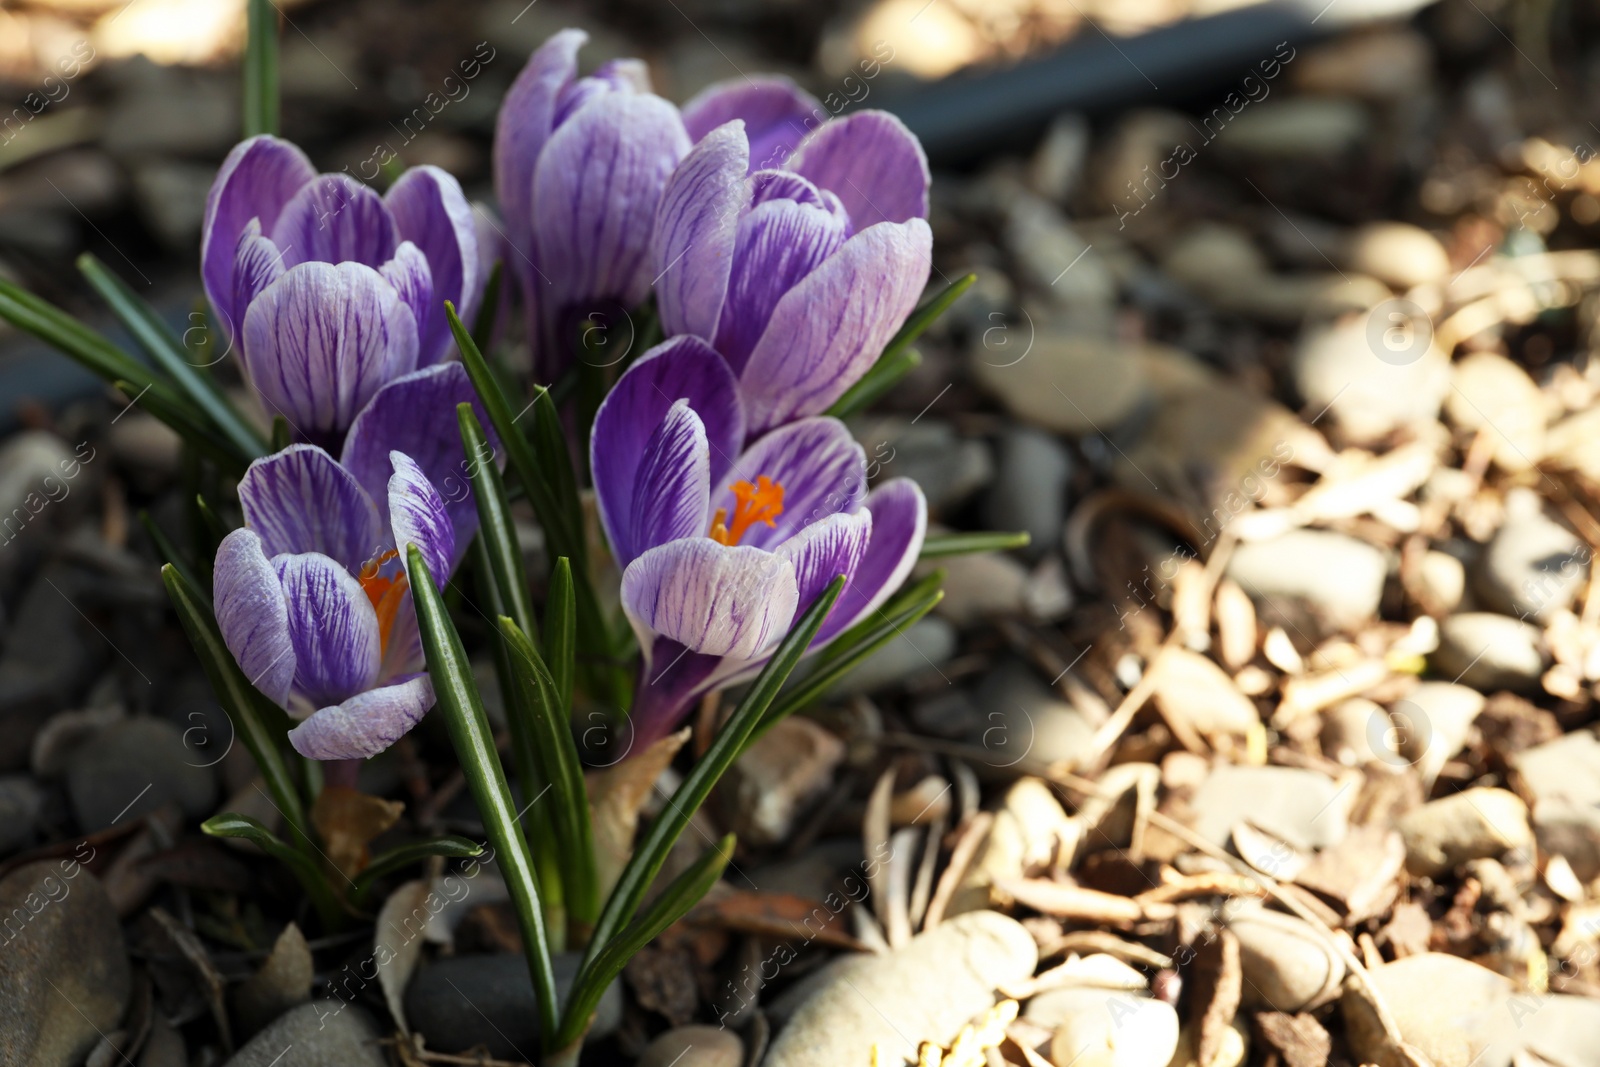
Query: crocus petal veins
point(762, 502)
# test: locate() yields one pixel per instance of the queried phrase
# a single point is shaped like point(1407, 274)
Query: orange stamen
point(385, 593)
point(762, 502)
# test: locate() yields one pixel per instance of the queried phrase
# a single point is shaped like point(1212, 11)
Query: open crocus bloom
point(722, 546)
point(579, 165)
point(312, 596)
point(798, 273)
point(330, 290)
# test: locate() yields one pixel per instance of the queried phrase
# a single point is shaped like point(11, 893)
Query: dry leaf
point(615, 796)
point(1236, 624)
point(777, 916)
point(348, 820)
point(397, 943)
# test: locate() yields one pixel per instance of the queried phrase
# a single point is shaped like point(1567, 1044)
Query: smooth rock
point(1559, 1028)
point(1054, 261)
point(926, 991)
point(1024, 717)
point(1335, 577)
point(1532, 568)
point(1567, 768)
point(1396, 253)
point(1431, 723)
point(64, 977)
point(107, 778)
point(1029, 490)
point(165, 1047)
point(1215, 262)
point(1476, 823)
point(1490, 391)
point(1356, 732)
point(781, 773)
point(948, 467)
point(1302, 807)
point(694, 1046)
point(283, 981)
point(32, 466)
point(1100, 1028)
point(45, 660)
point(1453, 1011)
point(1444, 580)
point(1070, 383)
point(925, 644)
point(1571, 831)
point(1287, 965)
point(981, 586)
point(451, 998)
point(1058, 162)
point(1488, 651)
point(21, 801)
point(323, 1033)
point(1371, 375)
point(1296, 127)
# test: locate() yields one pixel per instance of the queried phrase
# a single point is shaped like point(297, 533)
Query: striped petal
point(672, 489)
point(408, 272)
point(692, 247)
point(257, 263)
point(822, 469)
point(432, 213)
point(333, 627)
point(872, 163)
point(777, 115)
point(418, 516)
point(365, 724)
point(735, 602)
point(301, 500)
point(899, 523)
point(335, 219)
point(826, 549)
point(252, 614)
point(527, 116)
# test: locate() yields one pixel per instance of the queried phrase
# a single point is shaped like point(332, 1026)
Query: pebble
point(1192, 687)
point(1567, 768)
point(1488, 651)
point(1338, 578)
point(21, 801)
point(1368, 377)
point(1287, 965)
point(1444, 580)
point(44, 662)
point(1571, 831)
point(1053, 260)
point(449, 1000)
point(1215, 262)
point(948, 467)
point(64, 977)
point(1357, 732)
point(779, 775)
point(1477, 823)
point(1431, 724)
point(1492, 392)
point(1102, 1028)
point(1071, 383)
point(283, 981)
point(1297, 127)
point(1030, 488)
point(694, 1046)
point(1559, 1028)
point(1533, 568)
point(1384, 65)
point(1057, 164)
point(132, 768)
point(925, 991)
point(323, 1033)
point(1299, 806)
point(1397, 253)
point(982, 586)
point(1023, 717)
point(927, 643)
point(32, 468)
point(1453, 1011)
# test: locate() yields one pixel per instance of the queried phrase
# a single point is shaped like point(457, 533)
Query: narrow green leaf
point(213, 523)
point(925, 315)
point(560, 630)
point(282, 437)
point(170, 553)
point(483, 323)
point(452, 846)
point(883, 376)
point(261, 70)
point(457, 699)
point(725, 747)
point(165, 348)
point(937, 546)
point(683, 893)
point(495, 524)
point(228, 824)
point(558, 759)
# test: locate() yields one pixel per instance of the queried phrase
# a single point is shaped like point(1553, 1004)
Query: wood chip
point(1299, 1039)
point(1360, 875)
point(1083, 905)
point(1216, 988)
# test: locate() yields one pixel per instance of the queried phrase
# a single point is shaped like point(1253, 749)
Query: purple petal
point(672, 489)
point(333, 627)
point(252, 614)
point(433, 213)
point(336, 219)
point(595, 192)
point(786, 185)
point(257, 263)
point(779, 242)
point(899, 522)
point(735, 602)
point(321, 340)
point(612, 76)
point(692, 247)
point(300, 500)
point(527, 115)
point(416, 414)
point(827, 331)
point(366, 724)
point(777, 115)
point(684, 368)
point(412, 278)
point(418, 517)
point(671, 679)
point(824, 550)
point(822, 469)
point(872, 163)
point(257, 179)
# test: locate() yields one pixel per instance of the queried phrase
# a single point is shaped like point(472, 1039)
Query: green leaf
point(558, 758)
point(725, 747)
point(879, 379)
point(495, 524)
point(560, 626)
point(261, 70)
point(228, 824)
point(451, 846)
point(170, 553)
point(457, 700)
point(282, 438)
point(193, 431)
point(483, 323)
point(925, 315)
point(681, 894)
point(937, 546)
point(256, 725)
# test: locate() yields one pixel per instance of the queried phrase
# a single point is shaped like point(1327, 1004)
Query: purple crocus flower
point(312, 595)
point(330, 290)
point(579, 166)
point(799, 273)
point(721, 545)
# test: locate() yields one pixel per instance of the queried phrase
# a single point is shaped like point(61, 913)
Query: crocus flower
point(721, 545)
point(579, 165)
point(312, 595)
point(799, 273)
point(330, 290)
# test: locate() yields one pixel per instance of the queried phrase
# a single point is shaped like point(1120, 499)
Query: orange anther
point(762, 502)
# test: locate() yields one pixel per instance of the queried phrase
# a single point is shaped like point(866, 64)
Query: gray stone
point(1567, 768)
point(926, 991)
point(1474, 824)
point(1357, 732)
point(44, 662)
point(1107, 1028)
point(1023, 717)
point(948, 467)
point(134, 767)
point(1365, 377)
point(461, 1001)
point(172, 197)
point(924, 645)
point(1029, 491)
point(323, 1033)
point(694, 1046)
point(1297, 127)
point(982, 586)
point(64, 976)
point(1287, 966)
point(1532, 568)
point(1453, 1011)
point(1571, 831)
point(1072, 383)
point(783, 771)
point(1335, 577)
point(20, 804)
point(164, 1047)
point(1489, 651)
point(283, 981)
point(1304, 808)
point(1431, 723)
